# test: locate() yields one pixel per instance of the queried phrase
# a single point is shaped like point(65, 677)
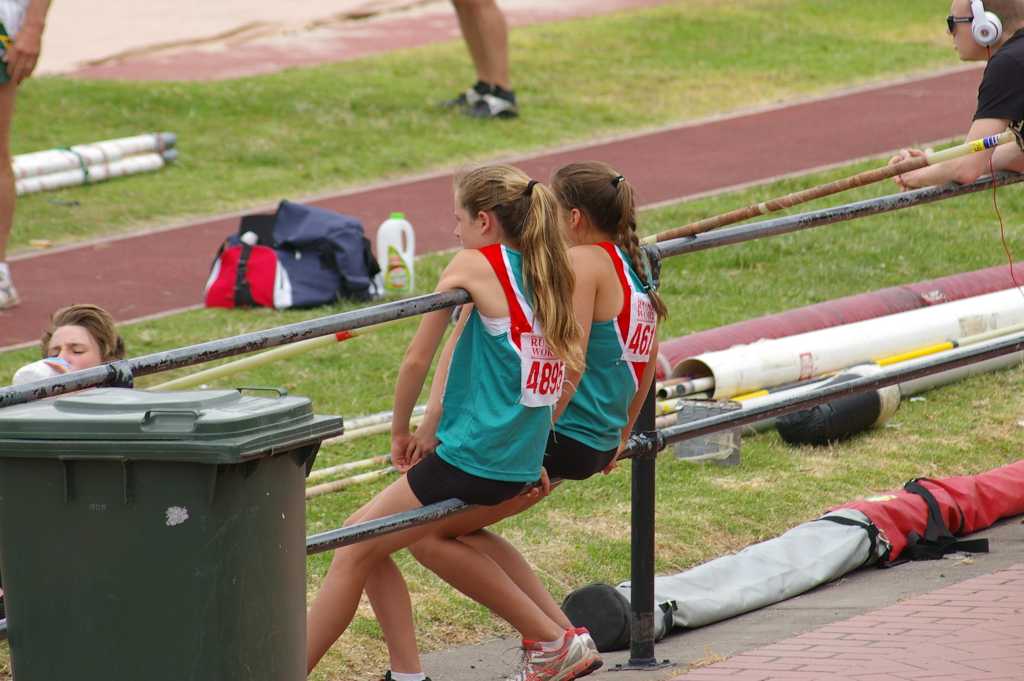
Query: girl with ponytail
point(490, 410)
point(617, 313)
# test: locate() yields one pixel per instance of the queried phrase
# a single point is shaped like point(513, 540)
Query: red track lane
point(162, 271)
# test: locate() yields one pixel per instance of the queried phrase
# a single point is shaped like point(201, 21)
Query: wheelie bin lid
point(206, 426)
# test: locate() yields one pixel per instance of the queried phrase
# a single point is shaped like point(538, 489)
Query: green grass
point(305, 131)
point(578, 535)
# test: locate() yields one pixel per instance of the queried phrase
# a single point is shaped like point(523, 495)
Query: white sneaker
point(8, 294)
point(584, 634)
point(573, 660)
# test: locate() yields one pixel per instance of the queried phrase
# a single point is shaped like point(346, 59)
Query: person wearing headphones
point(992, 31)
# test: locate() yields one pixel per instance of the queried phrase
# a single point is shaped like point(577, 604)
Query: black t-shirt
point(1001, 94)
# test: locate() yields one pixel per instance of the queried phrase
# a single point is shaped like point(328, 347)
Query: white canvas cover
point(806, 556)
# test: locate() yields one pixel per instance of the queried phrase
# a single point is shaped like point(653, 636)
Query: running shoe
point(8, 294)
point(499, 103)
point(573, 660)
point(468, 99)
point(387, 676)
point(588, 640)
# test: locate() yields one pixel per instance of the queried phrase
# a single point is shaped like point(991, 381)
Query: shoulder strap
point(622, 321)
point(868, 527)
point(243, 294)
point(938, 540)
point(518, 314)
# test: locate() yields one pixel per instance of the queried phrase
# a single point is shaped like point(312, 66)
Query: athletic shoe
point(468, 99)
point(584, 634)
point(387, 676)
point(8, 294)
point(499, 103)
point(573, 660)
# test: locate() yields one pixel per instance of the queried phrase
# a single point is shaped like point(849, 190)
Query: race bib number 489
point(643, 323)
point(541, 373)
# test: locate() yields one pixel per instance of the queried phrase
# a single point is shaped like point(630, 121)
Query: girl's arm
point(646, 379)
point(584, 297)
point(425, 438)
point(416, 364)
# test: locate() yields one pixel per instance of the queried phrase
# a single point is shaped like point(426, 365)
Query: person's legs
point(550, 650)
point(8, 90)
point(485, 31)
point(335, 605)
point(503, 553)
point(389, 598)
point(479, 577)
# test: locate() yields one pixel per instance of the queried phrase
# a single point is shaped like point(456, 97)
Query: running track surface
point(165, 270)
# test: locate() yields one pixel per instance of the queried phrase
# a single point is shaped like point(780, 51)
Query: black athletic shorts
point(433, 479)
point(570, 459)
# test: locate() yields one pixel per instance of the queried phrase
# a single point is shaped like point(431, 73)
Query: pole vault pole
point(834, 187)
point(264, 358)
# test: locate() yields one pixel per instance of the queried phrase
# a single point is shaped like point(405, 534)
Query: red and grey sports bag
point(300, 256)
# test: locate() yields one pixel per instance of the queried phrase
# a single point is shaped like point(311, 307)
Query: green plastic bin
point(157, 535)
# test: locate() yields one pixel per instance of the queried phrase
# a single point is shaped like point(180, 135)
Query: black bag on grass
point(300, 256)
point(605, 611)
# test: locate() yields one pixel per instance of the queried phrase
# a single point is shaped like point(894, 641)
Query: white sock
point(552, 646)
point(415, 676)
point(4, 269)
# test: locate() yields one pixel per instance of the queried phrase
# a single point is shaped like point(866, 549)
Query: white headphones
point(985, 26)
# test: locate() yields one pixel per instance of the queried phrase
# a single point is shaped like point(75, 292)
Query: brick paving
point(970, 631)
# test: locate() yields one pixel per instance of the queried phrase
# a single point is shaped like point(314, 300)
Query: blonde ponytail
point(609, 202)
point(528, 213)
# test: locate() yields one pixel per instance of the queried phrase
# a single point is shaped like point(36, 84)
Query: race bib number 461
point(643, 323)
point(541, 372)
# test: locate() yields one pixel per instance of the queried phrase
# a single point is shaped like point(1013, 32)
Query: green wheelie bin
point(157, 536)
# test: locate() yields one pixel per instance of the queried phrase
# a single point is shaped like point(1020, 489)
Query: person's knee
point(354, 558)
point(427, 550)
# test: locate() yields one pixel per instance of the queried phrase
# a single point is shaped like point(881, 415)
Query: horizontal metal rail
point(645, 444)
point(828, 216)
point(353, 534)
point(122, 372)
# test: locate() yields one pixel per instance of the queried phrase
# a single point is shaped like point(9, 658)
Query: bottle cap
point(398, 216)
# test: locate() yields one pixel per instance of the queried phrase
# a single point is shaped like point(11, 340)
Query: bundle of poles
point(90, 163)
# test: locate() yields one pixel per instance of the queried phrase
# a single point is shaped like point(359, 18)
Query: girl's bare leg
point(335, 605)
point(503, 553)
point(389, 597)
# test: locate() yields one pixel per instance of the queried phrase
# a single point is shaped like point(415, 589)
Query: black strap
point(243, 295)
point(868, 527)
point(938, 540)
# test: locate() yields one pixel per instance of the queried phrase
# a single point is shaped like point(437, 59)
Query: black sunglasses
point(952, 21)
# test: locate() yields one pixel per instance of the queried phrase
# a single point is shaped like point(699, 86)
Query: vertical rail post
point(641, 641)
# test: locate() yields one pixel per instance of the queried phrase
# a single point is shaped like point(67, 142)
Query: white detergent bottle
point(396, 249)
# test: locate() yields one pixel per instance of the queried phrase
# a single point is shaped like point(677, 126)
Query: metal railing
point(644, 444)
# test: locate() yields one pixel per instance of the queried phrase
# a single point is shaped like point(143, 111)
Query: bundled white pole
point(360, 422)
point(84, 155)
point(376, 429)
point(328, 487)
point(131, 165)
point(746, 368)
point(89, 163)
point(321, 473)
